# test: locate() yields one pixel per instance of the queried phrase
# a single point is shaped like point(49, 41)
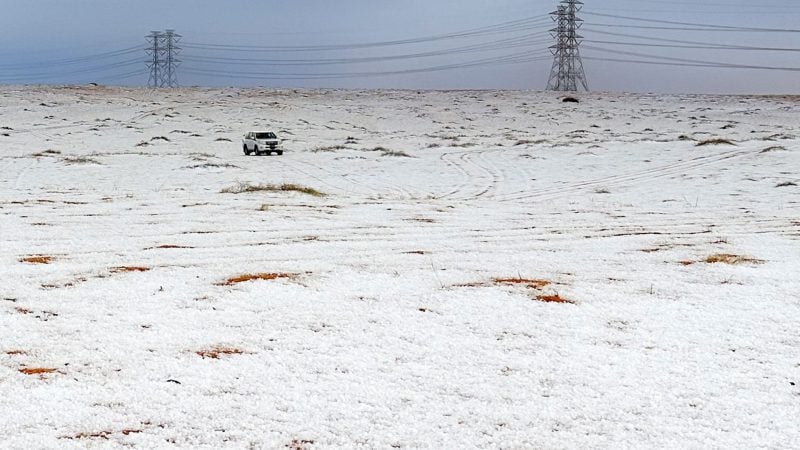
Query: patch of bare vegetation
point(553, 299)
point(716, 141)
point(396, 153)
point(328, 148)
point(47, 153)
point(727, 258)
point(37, 370)
point(786, 184)
point(774, 148)
point(300, 444)
point(531, 283)
point(81, 160)
point(242, 188)
point(256, 276)
point(104, 434)
point(37, 259)
point(535, 285)
point(129, 269)
point(217, 351)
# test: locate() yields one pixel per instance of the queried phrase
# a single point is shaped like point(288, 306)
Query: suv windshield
point(265, 135)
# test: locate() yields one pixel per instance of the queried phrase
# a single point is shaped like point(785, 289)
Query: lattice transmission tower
point(567, 73)
point(163, 50)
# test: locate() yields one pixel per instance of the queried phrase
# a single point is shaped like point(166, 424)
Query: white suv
point(259, 142)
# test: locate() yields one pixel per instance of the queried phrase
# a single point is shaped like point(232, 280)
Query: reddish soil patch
point(36, 370)
point(552, 299)
point(22, 310)
point(37, 259)
point(686, 262)
point(254, 276)
point(215, 352)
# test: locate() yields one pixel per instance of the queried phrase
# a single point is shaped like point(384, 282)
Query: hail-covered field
point(419, 269)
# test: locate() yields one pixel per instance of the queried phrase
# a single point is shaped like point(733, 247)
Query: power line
point(705, 27)
point(505, 27)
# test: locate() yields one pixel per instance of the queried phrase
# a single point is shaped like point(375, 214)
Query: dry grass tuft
point(726, 258)
point(82, 160)
point(126, 269)
point(533, 284)
point(242, 188)
point(217, 351)
point(165, 246)
point(15, 352)
point(395, 153)
point(299, 444)
point(717, 141)
point(36, 370)
point(553, 299)
point(37, 259)
point(90, 435)
point(255, 276)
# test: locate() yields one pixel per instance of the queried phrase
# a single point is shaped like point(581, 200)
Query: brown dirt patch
point(37, 259)
point(217, 351)
point(254, 276)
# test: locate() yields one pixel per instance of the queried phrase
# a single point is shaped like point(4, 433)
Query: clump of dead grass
point(328, 148)
point(36, 370)
point(555, 298)
point(217, 351)
point(726, 258)
point(395, 153)
point(242, 188)
point(37, 259)
point(128, 269)
point(255, 276)
point(82, 160)
point(716, 141)
point(531, 283)
point(47, 153)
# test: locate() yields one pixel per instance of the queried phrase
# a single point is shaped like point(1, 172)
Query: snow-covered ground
point(413, 304)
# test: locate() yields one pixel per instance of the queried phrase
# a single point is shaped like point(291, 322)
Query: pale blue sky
point(35, 32)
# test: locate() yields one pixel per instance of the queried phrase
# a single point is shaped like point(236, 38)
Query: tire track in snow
point(658, 172)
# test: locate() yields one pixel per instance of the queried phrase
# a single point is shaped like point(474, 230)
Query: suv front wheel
point(246, 151)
